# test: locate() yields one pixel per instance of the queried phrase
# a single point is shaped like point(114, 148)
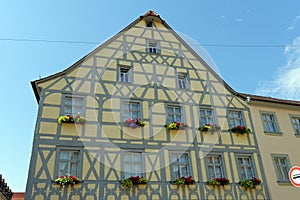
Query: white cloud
point(287, 81)
point(294, 23)
point(239, 19)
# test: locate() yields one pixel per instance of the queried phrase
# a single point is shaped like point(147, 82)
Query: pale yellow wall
point(287, 143)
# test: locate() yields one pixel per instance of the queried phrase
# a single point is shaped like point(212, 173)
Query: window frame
point(72, 96)
point(252, 165)
point(296, 130)
point(262, 114)
point(153, 49)
point(222, 165)
point(186, 81)
point(69, 149)
point(242, 118)
point(288, 166)
point(140, 113)
point(132, 151)
point(174, 113)
point(130, 73)
point(188, 163)
point(213, 116)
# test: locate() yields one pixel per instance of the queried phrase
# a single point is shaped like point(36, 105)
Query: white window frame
point(153, 46)
point(128, 110)
point(270, 124)
point(127, 77)
point(205, 117)
point(59, 160)
point(175, 158)
point(281, 169)
point(136, 165)
point(242, 167)
point(73, 105)
point(173, 114)
point(214, 165)
point(234, 120)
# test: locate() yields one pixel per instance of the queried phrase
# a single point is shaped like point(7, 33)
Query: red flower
point(128, 120)
point(72, 177)
point(256, 180)
point(62, 177)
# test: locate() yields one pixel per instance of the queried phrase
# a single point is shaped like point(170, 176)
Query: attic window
point(149, 24)
point(153, 46)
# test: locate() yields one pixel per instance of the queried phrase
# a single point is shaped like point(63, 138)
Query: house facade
point(277, 127)
point(143, 104)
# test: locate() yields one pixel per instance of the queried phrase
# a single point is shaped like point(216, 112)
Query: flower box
point(133, 123)
point(184, 181)
point(67, 180)
point(240, 130)
point(250, 183)
point(218, 181)
point(176, 126)
point(70, 119)
point(129, 182)
point(209, 128)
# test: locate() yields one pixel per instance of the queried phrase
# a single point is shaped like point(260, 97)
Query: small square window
point(153, 46)
point(182, 81)
point(73, 105)
point(125, 74)
point(131, 109)
point(149, 24)
point(235, 118)
point(206, 116)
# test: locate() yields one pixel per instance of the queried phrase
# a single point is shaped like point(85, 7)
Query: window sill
point(273, 133)
point(287, 183)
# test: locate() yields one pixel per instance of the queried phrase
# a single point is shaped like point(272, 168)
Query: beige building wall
point(284, 142)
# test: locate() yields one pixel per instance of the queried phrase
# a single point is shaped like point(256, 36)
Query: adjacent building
point(277, 127)
point(145, 104)
point(5, 192)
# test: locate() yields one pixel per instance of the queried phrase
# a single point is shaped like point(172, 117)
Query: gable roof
point(271, 99)
point(152, 14)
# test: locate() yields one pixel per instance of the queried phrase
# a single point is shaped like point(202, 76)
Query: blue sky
point(255, 45)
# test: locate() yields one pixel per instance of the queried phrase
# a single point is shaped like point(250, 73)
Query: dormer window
point(153, 46)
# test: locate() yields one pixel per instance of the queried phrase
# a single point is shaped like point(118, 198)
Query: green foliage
point(250, 183)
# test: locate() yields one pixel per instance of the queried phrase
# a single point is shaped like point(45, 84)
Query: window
point(125, 74)
point(174, 113)
point(182, 80)
point(282, 167)
point(153, 46)
point(206, 116)
point(68, 163)
point(131, 109)
point(235, 118)
point(245, 167)
point(149, 24)
point(133, 164)
point(179, 165)
point(269, 122)
point(215, 166)
point(73, 105)
point(296, 124)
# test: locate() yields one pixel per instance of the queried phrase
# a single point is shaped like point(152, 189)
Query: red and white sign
point(294, 176)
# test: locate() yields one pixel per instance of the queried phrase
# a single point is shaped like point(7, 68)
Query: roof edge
point(270, 99)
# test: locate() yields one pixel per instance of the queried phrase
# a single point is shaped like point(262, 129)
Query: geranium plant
point(250, 183)
point(241, 130)
point(70, 119)
point(133, 180)
point(184, 181)
point(65, 180)
point(176, 125)
point(218, 181)
point(209, 128)
point(133, 123)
